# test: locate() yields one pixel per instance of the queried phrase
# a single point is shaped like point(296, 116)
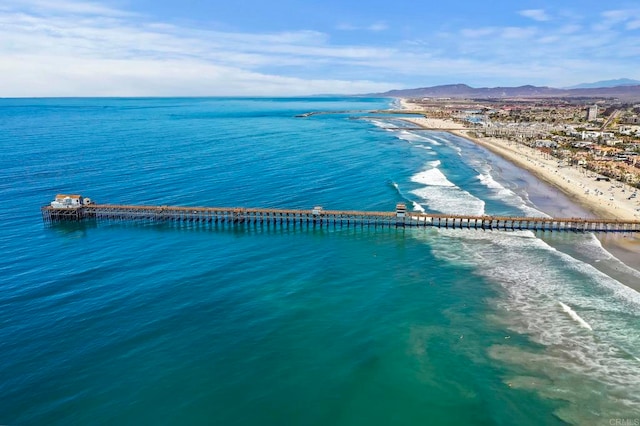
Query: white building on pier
point(69, 201)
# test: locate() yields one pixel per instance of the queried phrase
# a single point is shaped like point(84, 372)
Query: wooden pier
point(319, 217)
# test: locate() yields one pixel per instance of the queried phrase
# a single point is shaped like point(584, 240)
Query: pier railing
point(320, 217)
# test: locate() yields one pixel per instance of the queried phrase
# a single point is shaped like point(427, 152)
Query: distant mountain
point(607, 83)
point(464, 91)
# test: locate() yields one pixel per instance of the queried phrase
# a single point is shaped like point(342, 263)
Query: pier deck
point(320, 217)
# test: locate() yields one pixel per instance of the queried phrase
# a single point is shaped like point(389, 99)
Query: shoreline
point(603, 199)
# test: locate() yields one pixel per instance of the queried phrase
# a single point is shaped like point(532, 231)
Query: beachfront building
point(65, 201)
point(545, 143)
point(591, 135)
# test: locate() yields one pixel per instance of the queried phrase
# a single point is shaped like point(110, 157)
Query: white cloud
point(535, 14)
point(614, 16)
point(477, 32)
point(66, 55)
point(65, 76)
point(66, 7)
point(550, 39)
point(79, 51)
point(618, 19)
point(378, 26)
point(569, 29)
point(517, 32)
point(375, 27)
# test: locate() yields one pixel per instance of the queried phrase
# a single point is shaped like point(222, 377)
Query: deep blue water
point(138, 323)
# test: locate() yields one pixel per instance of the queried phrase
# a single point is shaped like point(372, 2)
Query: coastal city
point(587, 148)
point(602, 136)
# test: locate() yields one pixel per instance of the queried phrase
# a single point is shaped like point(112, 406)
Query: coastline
point(603, 199)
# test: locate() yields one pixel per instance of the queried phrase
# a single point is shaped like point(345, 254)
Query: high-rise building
point(592, 113)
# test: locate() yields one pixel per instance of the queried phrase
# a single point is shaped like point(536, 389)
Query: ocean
point(158, 323)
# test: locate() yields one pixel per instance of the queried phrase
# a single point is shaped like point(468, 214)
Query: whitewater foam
point(412, 137)
point(417, 207)
point(432, 177)
point(426, 148)
point(382, 124)
point(533, 277)
point(575, 316)
point(500, 192)
point(591, 247)
point(451, 200)
point(442, 195)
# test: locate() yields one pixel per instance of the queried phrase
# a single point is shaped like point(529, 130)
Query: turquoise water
point(138, 323)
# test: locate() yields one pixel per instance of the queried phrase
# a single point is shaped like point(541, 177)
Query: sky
point(303, 47)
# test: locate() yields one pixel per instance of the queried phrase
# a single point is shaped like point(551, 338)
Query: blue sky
point(289, 48)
